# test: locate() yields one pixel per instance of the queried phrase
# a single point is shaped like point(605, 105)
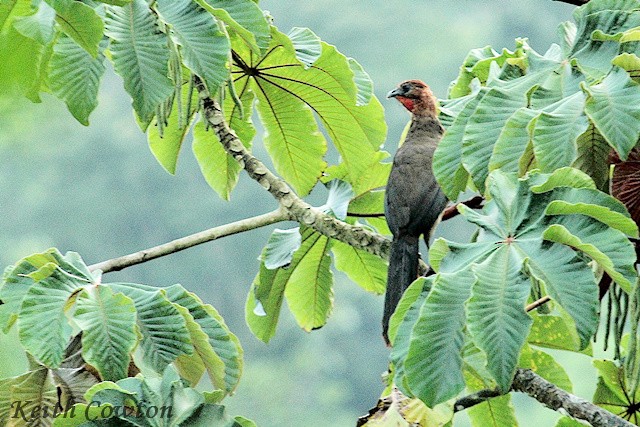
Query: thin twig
point(183, 243)
point(475, 202)
point(537, 303)
point(475, 399)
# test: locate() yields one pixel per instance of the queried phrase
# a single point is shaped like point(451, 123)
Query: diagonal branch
point(117, 264)
point(297, 209)
point(528, 382)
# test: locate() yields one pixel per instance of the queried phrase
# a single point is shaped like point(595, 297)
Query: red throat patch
point(407, 102)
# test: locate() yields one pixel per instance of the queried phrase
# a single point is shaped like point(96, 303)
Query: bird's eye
point(406, 87)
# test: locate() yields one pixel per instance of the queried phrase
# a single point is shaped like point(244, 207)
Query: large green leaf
point(309, 290)
point(140, 55)
point(546, 366)
point(447, 159)
point(614, 108)
point(18, 279)
point(74, 77)
point(512, 142)
point(497, 320)
point(163, 328)
point(489, 117)
point(205, 49)
point(433, 364)
point(38, 396)
point(496, 412)
point(244, 18)
point(42, 322)
point(39, 26)
point(367, 270)
point(203, 358)
point(107, 321)
point(224, 343)
point(80, 22)
point(12, 9)
point(555, 130)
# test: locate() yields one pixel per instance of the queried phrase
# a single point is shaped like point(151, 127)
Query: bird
point(414, 201)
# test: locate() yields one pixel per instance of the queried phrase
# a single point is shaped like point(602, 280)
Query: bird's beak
point(396, 92)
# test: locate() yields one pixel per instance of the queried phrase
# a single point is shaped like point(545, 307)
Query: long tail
point(403, 270)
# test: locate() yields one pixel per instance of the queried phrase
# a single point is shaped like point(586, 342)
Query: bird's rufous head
point(416, 97)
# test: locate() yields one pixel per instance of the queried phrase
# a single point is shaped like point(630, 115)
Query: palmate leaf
point(107, 320)
point(140, 56)
point(174, 325)
point(297, 153)
point(74, 77)
point(289, 92)
point(512, 247)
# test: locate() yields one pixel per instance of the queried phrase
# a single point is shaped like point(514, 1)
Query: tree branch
point(475, 399)
point(528, 382)
point(298, 209)
point(117, 264)
point(475, 202)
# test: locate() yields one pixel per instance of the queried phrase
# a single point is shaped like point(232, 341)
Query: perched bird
point(413, 200)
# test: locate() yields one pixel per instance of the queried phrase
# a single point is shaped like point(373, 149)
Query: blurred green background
point(97, 190)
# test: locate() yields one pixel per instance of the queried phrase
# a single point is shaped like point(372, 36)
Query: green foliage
point(516, 244)
point(521, 110)
point(296, 265)
point(55, 296)
point(531, 132)
point(149, 402)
